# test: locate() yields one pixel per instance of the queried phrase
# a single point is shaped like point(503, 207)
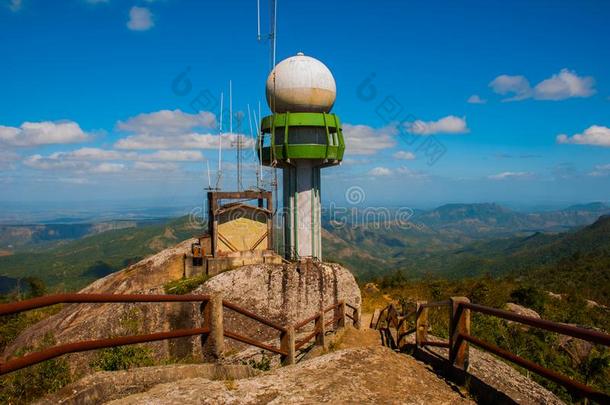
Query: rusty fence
point(212, 330)
point(460, 337)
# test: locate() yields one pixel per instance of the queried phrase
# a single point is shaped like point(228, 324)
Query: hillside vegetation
point(75, 264)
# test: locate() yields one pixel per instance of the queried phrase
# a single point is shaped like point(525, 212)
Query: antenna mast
point(219, 173)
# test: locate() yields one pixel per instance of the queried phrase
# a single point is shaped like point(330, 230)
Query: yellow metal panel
point(242, 233)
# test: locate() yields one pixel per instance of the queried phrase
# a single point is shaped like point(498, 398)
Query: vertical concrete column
point(321, 330)
point(421, 324)
point(213, 342)
point(287, 346)
point(459, 324)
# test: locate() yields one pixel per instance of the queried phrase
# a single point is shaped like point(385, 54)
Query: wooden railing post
point(287, 346)
point(341, 316)
point(421, 324)
point(357, 321)
point(459, 323)
point(320, 329)
point(213, 342)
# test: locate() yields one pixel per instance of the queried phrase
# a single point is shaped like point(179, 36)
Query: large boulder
point(282, 293)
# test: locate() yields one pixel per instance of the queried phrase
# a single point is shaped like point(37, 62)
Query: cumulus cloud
point(365, 140)
point(187, 141)
point(404, 155)
point(155, 166)
point(42, 133)
point(596, 135)
point(175, 129)
point(509, 175)
point(380, 171)
point(108, 168)
point(565, 84)
point(446, 125)
point(47, 163)
point(166, 122)
point(507, 84)
point(105, 154)
point(140, 19)
point(560, 86)
point(476, 99)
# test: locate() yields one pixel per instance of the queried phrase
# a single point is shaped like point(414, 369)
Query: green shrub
point(184, 285)
point(264, 364)
point(122, 358)
point(26, 385)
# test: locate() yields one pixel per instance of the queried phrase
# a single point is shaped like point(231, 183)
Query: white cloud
point(42, 133)
point(175, 129)
point(476, 99)
point(46, 163)
point(140, 19)
point(517, 85)
point(596, 135)
point(404, 155)
point(166, 122)
point(565, 84)
point(365, 140)
point(104, 154)
point(509, 175)
point(155, 166)
point(560, 86)
point(380, 171)
point(108, 168)
point(187, 141)
point(446, 125)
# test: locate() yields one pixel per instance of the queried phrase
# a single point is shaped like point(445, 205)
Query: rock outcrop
point(359, 375)
point(282, 293)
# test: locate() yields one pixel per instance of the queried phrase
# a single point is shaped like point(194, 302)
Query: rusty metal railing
point(460, 337)
point(212, 330)
point(59, 350)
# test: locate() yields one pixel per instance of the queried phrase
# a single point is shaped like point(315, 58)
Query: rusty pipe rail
point(288, 345)
point(574, 331)
point(56, 351)
point(571, 385)
point(252, 315)
point(48, 300)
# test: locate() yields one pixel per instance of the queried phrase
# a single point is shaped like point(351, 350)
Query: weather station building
point(301, 137)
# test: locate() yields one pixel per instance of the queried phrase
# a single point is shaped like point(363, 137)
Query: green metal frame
point(331, 153)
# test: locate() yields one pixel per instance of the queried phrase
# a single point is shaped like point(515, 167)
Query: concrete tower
point(301, 137)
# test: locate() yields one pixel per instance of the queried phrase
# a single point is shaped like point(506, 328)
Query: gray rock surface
point(361, 375)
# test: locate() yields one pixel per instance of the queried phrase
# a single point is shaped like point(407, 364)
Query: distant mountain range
point(371, 247)
point(454, 240)
point(72, 264)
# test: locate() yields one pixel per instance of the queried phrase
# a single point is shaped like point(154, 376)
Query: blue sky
point(515, 97)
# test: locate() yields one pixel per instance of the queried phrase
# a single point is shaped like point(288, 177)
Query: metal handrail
point(252, 315)
point(56, 351)
point(48, 300)
point(574, 331)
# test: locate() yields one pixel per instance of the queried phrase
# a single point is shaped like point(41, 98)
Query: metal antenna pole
point(219, 173)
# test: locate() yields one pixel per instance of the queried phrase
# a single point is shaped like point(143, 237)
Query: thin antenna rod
point(209, 178)
point(258, 131)
point(258, 21)
point(230, 107)
point(219, 173)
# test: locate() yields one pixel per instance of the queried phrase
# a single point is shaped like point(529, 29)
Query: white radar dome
point(301, 84)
